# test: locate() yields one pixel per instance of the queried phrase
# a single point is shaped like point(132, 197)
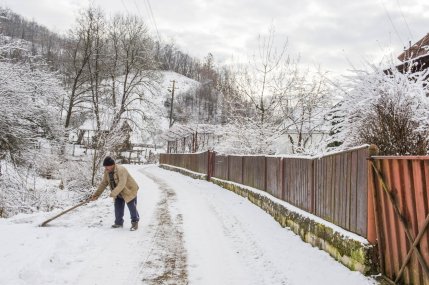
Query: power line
point(150, 18)
point(405, 20)
point(138, 9)
point(123, 4)
point(391, 22)
point(153, 19)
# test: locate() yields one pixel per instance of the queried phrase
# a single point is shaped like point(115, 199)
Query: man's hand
point(93, 198)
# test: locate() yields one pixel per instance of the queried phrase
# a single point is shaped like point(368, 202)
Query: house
point(416, 56)
point(87, 132)
point(191, 138)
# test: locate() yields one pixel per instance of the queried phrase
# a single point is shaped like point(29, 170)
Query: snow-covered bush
point(384, 107)
point(26, 110)
point(76, 177)
point(29, 128)
point(23, 191)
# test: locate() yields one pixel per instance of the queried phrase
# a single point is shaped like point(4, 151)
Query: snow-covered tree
point(273, 97)
point(29, 118)
point(27, 94)
point(384, 107)
point(303, 108)
point(253, 105)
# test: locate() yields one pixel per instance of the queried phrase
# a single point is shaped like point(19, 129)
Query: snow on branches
point(27, 94)
point(384, 107)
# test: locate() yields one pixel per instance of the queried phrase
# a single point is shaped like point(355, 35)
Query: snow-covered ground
point(191, 232)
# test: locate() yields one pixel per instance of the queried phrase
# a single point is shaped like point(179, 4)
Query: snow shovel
point(64, 212)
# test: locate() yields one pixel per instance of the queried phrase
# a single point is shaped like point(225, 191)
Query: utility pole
point(172, 100)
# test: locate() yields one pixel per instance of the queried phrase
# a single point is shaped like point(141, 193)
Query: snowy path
point(191, 232)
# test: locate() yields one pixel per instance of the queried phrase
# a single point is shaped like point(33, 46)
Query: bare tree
point(259, 80)
point(133, 60)
point(78, 52)
point(303, 108)
point(260, 84)
point(97, 62)
point(128, 68)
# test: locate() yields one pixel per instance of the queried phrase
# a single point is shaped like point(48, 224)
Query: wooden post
point(64, 212)
point(372, 231)
point(196, 141)
point(266, 172)
point(209, 164)
point(172, 101)
point(242, 169)
point(313, 192)
point(282, 173)
point(227, 165)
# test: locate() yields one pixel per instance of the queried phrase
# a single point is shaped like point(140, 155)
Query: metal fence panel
point(406, 179)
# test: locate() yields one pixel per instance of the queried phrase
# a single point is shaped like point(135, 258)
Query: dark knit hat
point(108, 161)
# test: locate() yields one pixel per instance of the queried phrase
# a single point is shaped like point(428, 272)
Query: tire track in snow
point(246, 245)
point(166, 262)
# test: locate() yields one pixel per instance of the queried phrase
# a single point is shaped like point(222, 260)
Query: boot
point(115, 226)
point(134, 226)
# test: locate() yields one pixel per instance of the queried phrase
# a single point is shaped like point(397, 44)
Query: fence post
point(372, 225)
point(242, 169)
point(209, 164)
point(266, 171)
point(282, 194)
point(227, 165)
point(313, 192)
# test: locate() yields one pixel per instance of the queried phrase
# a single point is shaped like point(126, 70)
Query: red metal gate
point(400, 187)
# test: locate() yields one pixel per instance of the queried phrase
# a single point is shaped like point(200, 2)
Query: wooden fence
point(195, 162)
point(333, 187)
point(384, 199)
point(400, 190)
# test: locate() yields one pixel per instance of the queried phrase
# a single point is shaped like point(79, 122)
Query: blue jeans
point(119, 210)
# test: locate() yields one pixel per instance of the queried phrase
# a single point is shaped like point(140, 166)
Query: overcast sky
point(334, 34)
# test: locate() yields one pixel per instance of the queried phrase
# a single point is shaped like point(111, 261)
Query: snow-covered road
point(191, 232)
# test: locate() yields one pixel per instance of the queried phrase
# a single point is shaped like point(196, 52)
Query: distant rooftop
point(417, 50)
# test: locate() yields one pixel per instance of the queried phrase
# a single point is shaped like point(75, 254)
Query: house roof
point(418, 49)
point(182, 131)
point(91, 125)
point(416, 64)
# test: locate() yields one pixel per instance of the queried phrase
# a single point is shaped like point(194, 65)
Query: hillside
point(157, 106)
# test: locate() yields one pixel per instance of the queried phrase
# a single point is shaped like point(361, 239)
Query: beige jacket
point(125, 184)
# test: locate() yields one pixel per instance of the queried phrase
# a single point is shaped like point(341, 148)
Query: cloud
point(328, 33)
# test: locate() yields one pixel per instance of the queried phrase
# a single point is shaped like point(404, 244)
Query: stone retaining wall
point(350, 252)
